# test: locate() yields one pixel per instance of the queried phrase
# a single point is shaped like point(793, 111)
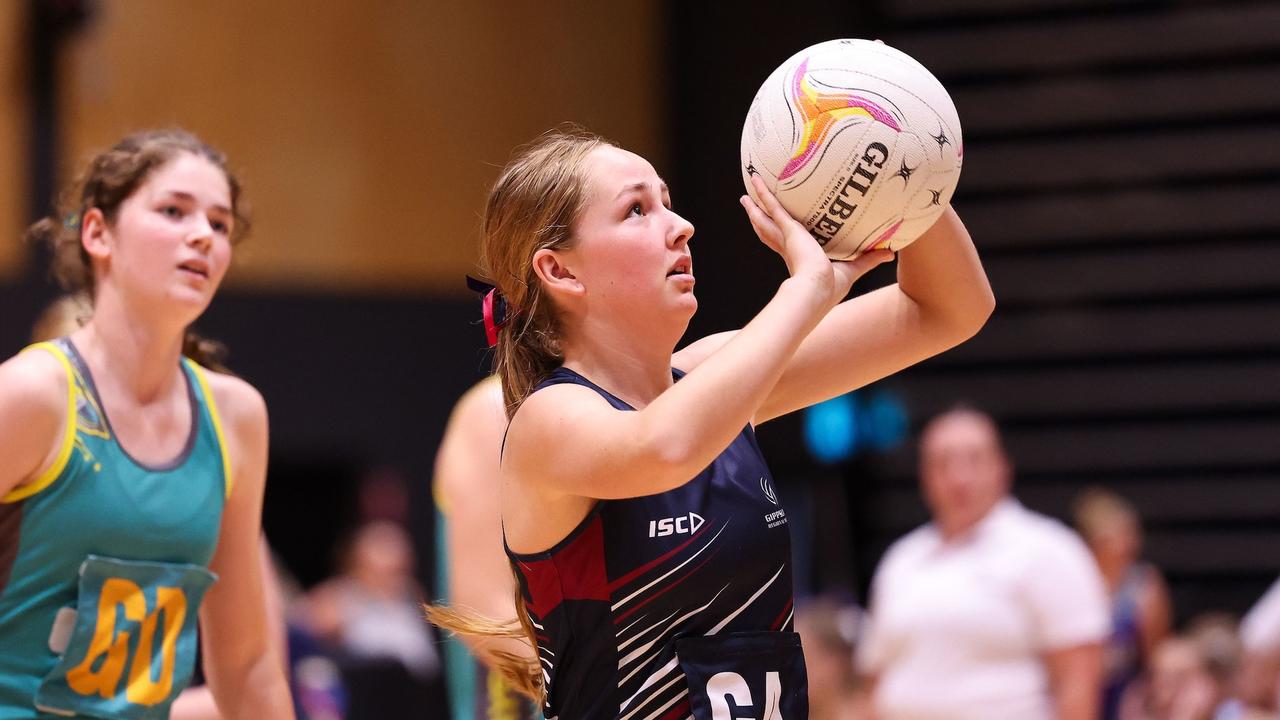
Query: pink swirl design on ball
point(820, 110)
point(885, 238)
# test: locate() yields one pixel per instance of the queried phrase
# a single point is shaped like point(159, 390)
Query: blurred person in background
point(146, 235)
point(1217, 639)
point(1260, 637)
point(1176, 685)
point(829, 631)
point(1193, 676)
point(991, 611)
point(371, 614)
point(1140, 606)
point(477, 573)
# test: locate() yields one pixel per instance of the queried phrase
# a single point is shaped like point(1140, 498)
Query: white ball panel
point(865, 140)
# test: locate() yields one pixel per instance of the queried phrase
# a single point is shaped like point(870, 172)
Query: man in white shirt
point(991, 611)
point(1260, 635)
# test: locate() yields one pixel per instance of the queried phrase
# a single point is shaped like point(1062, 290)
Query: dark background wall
point(1121, 177)
point(1125, 165)
point(1121, 180)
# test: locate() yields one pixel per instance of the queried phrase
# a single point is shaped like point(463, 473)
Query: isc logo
point(682, 525)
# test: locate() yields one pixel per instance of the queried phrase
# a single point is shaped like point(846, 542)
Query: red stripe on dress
point(613, 586)
point(679, 711)
point(618, 620)
point(574, 572)
point(782, 617)
point(581, 564)
point(543, 582)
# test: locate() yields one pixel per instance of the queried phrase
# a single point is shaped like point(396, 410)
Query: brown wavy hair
point(109, 179)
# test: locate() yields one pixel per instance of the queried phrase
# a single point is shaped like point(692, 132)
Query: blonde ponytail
point(533, 206)
point(522, 672)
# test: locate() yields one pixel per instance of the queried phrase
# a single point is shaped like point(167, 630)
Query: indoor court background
point(1122, 181)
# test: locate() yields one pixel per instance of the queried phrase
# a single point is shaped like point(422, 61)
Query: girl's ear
point(95, 234)
point(555, 274)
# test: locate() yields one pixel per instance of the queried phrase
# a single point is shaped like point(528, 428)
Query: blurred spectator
point(1260, 636)
point(384, 495)
point(991, 611)
point(1193, 676)
point(829, 631)
point(1177, 685)
point(1217, 640)
point(1140, 607)
point(371, 613)
point(314, 676)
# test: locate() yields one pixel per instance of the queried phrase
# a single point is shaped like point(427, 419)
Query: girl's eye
point(171, 211)
point(220, 227)
point(635, 209)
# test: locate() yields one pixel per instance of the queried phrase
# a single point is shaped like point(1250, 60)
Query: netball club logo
point(777, 517)
point(768, 490)
point(683, 525)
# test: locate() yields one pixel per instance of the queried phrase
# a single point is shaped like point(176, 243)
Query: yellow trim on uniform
point(228, 480)
point(439, 498)
point(47, 477)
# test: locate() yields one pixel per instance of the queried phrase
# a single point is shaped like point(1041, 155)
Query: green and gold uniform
point(103, 563)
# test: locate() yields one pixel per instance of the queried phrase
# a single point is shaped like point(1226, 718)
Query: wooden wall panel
point(13, 197)
point(368, 133)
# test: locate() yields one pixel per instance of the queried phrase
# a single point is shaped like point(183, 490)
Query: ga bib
point(745, 676)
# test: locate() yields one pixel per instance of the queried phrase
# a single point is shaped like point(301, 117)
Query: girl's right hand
point(804, 257)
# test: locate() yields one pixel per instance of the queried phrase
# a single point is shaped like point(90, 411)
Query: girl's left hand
point(776, 226)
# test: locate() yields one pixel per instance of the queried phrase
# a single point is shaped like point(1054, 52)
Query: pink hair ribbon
point(493, 306)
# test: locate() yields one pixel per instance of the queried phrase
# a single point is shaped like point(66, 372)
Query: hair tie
point(493, 306)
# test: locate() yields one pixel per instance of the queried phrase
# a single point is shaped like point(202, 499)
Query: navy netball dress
point(675, 605)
